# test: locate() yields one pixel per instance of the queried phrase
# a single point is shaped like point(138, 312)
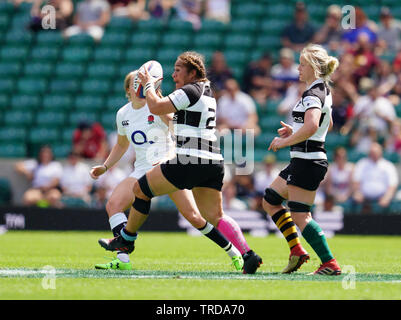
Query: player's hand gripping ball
point(155, 70)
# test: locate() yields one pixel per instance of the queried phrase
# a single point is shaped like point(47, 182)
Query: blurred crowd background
point(60, 90)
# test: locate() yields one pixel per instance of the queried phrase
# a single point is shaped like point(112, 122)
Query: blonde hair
point(322, 64)
point(129, 83)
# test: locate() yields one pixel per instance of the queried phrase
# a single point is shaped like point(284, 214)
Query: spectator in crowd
point(384, 78)
point(134, 9)
point(292, 95)
point(110, 180)
point(393, 141)
point(63, 8)
point(44, 173)
point(256, 78)
point(91, 18)
point(245, 187)
point(263, 179)
point(219, 10)
point(190, 10)
point(230, 200)
point(343, 79)
point(338, 182)
point(99, 197)
point(286, 71)
point(375, 180)
point(373, 110)
point(75, 182)
point(160, 9)
point(218, 73)
point(365, 60)
point(389, 32)
point(341, 110)
point(237, 110)
point(330, 34)
point(362, 26)
point(89, 141)
point(300, 32)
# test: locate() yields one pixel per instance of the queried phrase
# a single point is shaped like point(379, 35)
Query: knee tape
point(143, 206)
point(298, 206)
point(144, 185)
point(272, 197)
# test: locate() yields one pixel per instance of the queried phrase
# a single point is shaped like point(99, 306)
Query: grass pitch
point(175, 266)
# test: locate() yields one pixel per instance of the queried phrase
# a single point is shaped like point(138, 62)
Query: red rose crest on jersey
point(151, 119)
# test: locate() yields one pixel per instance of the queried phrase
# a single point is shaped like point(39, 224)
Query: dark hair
point(194, 61)
point(45, 146)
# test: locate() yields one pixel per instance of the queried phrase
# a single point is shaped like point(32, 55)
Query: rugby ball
point(155, 70)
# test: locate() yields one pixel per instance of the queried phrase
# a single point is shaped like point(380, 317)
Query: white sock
point(115, 220)
point(124, 257)
point(232, 251)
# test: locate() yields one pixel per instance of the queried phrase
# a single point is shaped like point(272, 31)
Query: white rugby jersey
point(195, 121)
point(317, 95)
point(148, 134)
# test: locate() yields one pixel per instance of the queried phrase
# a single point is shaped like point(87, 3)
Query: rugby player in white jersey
point(149, 134)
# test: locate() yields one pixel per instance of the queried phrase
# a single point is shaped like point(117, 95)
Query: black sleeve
point(193, 92)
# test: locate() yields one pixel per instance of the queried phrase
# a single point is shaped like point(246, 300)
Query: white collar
point(318, 80)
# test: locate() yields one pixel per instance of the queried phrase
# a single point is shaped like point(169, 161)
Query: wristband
point(105, 167)
point(148, 86)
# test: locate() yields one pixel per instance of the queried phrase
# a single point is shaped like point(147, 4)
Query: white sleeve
point(393, 175)
point(120, 128)
point(311, 102)
point(179, 99)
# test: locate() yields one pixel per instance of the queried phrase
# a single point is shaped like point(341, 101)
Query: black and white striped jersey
point(317, 95)
point(195, 121)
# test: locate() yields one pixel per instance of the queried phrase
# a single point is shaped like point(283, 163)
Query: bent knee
point(195, 219)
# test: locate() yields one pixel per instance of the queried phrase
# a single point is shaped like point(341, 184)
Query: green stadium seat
point(138, 56)
point(67, 134)
point(108, 54)
point(10, 69)
point(207, 40)
point(150, 25)
point(241, 41)
point(272, 26)
point(145, 38)
point(7, 7)
point(89, 102)
point(168, 86)
point(12, 134)
point(69, 202)
point(270, 123)
point(61, 150)
point(74, 118)
point(95, 86)
point(4, 101)
point(108, 120)
point(25, 102)
point(284, 11)
point(125, 68)
point(63, 86)
point(4, 21)
point(51, 38)
point(19, 37)
point(247, 9)
point(179, 25)
point(235, 56)
point(268, 42)
point(334, 139)
point(7, 85)
point(43, 135)
point(121, 24)
point(102, 70)
point(57, 102)
point(5, 191)
point(18, 118)
point(115, 38)
point(19, 20)
point(39, 69)
point(82, 40)
point(13, 53)
point(51, 119)
point(392, 156)
point(76, 54)
point(70, 70)
point(45, 53)
point(176, 39)
point(244, 25)
point(115, 102)
point(168, 55)
point(32, 85)
point(209, 25)
point(263, 140)
point(13, 150)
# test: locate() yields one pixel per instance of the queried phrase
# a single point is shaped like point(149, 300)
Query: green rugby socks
point(314, 235)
